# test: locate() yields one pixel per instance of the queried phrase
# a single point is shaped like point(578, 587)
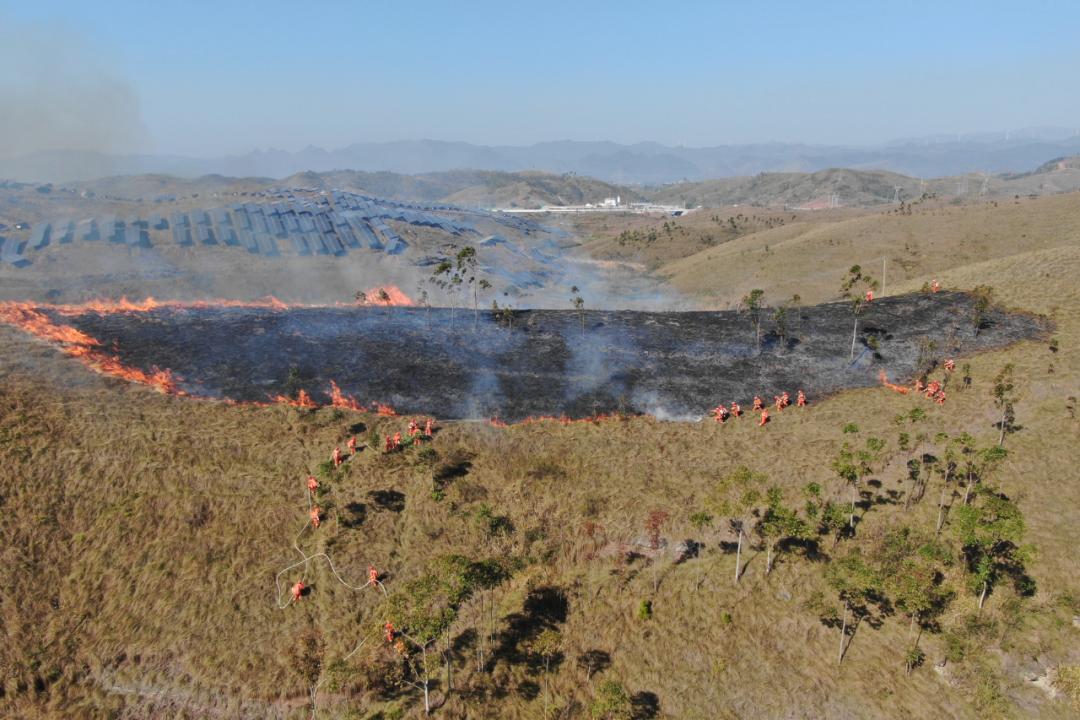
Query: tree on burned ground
point(449, 280)
point(983, 301)
point(578, 303)
point(753, 303)
point(855, 288)
point(463, 270)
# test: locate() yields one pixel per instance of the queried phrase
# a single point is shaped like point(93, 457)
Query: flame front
point(388, 295)
point(82, 347)
point(892, 386)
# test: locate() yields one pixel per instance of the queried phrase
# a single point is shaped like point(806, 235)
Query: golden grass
point(810, 257)
point(142, 533)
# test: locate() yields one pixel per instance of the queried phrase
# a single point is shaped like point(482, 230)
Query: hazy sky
point(204, 78)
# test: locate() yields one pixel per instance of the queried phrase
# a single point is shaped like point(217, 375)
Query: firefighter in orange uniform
point(336, 457)
point(757, 403)
point(315, 516)
point(736, 411)
point(298, 590)
point(800, 399)
point(312, 484)
point(764, 417)
point(352, 445)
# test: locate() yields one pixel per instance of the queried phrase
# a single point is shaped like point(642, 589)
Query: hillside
point(868, 188)
point(144, 585)
point(808, 257)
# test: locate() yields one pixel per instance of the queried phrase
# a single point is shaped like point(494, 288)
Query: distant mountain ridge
point(644, 163)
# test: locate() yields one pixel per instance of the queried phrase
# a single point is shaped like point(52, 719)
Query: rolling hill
point(143, 585)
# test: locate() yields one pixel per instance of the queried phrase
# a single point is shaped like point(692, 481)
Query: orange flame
point(302, 400)
point(84, 348)
point(388, 295)
point(124, 305)
point(892, 386)
point(339, 399)
point(382, 409)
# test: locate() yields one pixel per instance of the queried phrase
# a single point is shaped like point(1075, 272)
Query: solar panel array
point(297, 221)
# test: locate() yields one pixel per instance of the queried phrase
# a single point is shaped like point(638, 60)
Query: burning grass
point(546, 364)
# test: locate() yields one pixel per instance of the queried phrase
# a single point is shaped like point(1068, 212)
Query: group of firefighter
point(416, 435)
point(393, 442)
point(721, 413)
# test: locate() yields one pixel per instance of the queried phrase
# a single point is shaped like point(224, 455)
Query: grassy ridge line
point(808, 257)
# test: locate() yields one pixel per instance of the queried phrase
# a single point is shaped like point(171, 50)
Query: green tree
point(982, 302)
point(830, 518)
point(611, 702)
point(856, 583)
point(424, 610)
point(852, 464)
point(853, 288)
point(945, 467)
point(738, 496)
point(547, 645)
point(987, 460)
point(912, 567)
point(989, 531)
point(753, 302)
point(780, 523)
point(1004, 399)
point(466, 267)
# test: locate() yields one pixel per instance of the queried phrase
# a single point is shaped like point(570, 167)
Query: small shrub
point(914, 658)
point(644, 610)
point(700, 520)
point(611, 702)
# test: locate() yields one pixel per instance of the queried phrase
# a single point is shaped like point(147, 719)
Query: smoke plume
point(57, 93)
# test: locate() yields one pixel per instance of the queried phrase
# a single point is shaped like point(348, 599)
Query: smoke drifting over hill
point(56, 92)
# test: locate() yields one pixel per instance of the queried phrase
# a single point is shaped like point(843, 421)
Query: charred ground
point(547, 362)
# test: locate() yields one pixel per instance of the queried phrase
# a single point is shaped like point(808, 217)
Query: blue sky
point(207, 78)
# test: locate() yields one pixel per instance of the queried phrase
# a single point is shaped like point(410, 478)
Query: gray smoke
point(56, 92)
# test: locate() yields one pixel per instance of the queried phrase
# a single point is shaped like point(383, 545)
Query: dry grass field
point(142, 533)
